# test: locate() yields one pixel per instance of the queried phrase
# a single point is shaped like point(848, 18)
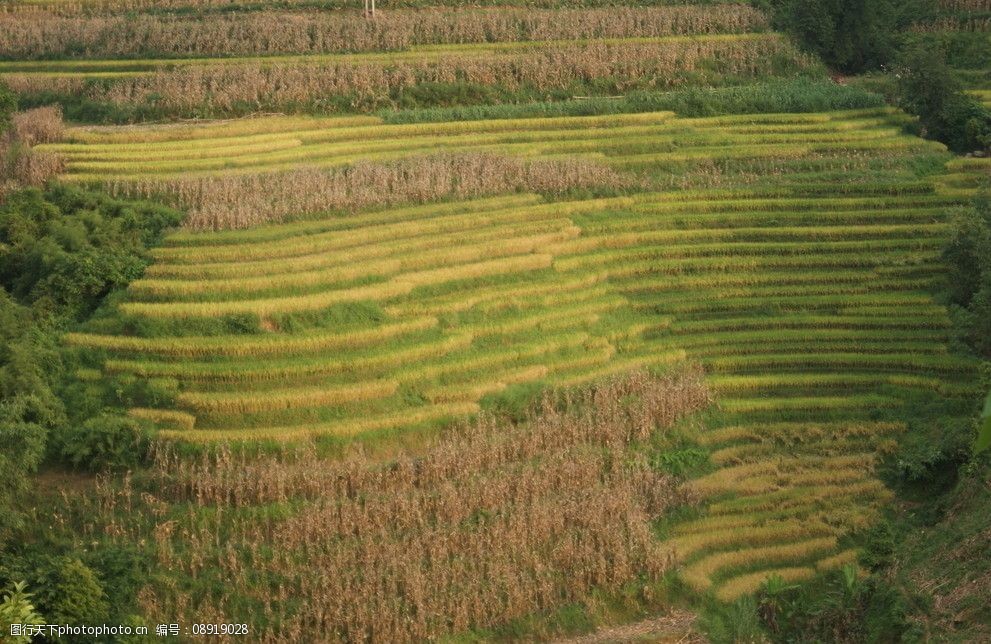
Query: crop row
point(370, 81)
point(277, 32)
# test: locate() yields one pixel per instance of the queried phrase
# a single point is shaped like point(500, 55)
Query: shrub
point(840, 607)
point(127, 565)
point(69, 592)
point(879, 548)
point(29, 365)
point(106, 442)
point(67, 248)
point(16, 608)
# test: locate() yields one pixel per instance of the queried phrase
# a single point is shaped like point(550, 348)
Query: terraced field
point(627, 141)
point(138, 66)
point(801, 286)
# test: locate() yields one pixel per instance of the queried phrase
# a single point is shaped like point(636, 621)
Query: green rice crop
point(244, 346)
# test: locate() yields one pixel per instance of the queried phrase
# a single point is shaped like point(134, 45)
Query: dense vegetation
point(64, 250)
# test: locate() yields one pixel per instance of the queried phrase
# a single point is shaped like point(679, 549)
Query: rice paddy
point(808, 302)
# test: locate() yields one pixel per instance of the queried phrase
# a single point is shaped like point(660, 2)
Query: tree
point(928, 89)
point(851, 36)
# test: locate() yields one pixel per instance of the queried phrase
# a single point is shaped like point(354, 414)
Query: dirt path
point(676, 626)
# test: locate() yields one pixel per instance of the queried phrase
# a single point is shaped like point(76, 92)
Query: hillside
point(491, 323)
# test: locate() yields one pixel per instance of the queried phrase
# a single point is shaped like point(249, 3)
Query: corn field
point(537, 514)
point(268, 33)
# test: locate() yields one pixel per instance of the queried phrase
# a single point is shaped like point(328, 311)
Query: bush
point(106, 442)
point(69, 592)
point(67, 248)
point(840, 607)
point(879, 547)
point(16, 608)
point(127, 565)
point(738, 623)
point(29, 366)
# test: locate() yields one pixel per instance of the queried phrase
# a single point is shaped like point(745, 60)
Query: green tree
point(851, 36)
point(928, 89)
point(967, 254)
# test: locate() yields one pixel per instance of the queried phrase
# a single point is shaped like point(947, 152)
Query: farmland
point(804, 294)
point(494, 323)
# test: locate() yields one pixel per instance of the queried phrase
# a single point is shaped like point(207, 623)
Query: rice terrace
point(425, 320)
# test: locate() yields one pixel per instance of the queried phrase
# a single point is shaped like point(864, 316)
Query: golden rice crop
point(755, 452)
point(566, 378)
point(282, 399)
point(749, 383)
point(811, 403)
point(392, 266)
point(579, 312)
point(473, 391)
point(768, 474)
point(164, 417)
point(400, 285)
point(808, 432)
point(864, 491)
point(341, 240)
point(736, 587)
point(944, 364)
point(699, 574)
point(404, 419)
point(365, 253)
point(262, 371)
point(839, 560)
point(684, 547)
point(246, 345)
point(462, 301)
point(448, 367)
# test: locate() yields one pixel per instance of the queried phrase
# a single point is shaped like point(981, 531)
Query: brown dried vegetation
point(490, 523)
point(27, 36)
point(238, 201)
point(364, 85)
point(20, 165)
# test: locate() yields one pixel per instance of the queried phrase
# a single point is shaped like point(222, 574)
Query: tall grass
point(490, 523)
